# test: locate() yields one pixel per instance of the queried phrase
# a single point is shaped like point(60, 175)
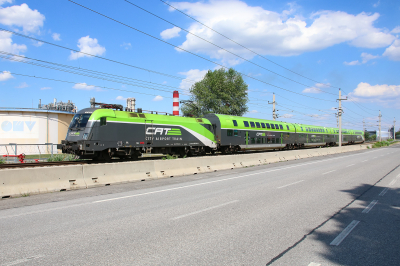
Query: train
point(110, 132)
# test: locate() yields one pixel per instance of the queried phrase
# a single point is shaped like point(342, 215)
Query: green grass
point(383, 143)
point(36, 156)
point(169, 157)
point(2, 161)
point(62, 157)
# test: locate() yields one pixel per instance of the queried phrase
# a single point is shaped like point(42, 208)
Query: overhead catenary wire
point(241, 57)
point(177, 47)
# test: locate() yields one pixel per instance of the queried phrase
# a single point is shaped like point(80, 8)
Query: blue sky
point(302, 51)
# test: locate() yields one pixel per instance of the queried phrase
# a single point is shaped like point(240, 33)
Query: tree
point(366, 135)
point(220, 92)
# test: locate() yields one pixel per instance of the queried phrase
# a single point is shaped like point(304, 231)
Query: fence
point(31, 151)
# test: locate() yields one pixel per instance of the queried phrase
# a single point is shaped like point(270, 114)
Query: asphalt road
point(333, 210)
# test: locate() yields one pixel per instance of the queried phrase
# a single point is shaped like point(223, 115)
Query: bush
point(383, 143)
point(2, 161)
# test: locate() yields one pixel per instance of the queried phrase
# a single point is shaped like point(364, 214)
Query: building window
point(235, 123)
point(229, 132)
point(246, 124)
point(252, 124)
point(258, 125)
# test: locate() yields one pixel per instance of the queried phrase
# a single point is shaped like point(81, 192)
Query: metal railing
point(31, 151)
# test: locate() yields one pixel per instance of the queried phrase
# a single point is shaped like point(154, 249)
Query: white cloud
point(7, 45)
point(377, 4)
point(84, 86)
point(22, 16)
point(45, 88)
point(352, 63)
point(316, 88)
point(393, 51)
point(126, 45)
point(382, 91)
point(5, 75)
point(396, 30)
point(37, 44)
point(5, 1)
point(158, 98)
point(22, 85)
point(286, 116)
point(170, 33)
point(89, 46)
point(252, 112)
point(120, 98)
point(269, 33)
point(56, 36)
point(366, 57)
point(192, 76)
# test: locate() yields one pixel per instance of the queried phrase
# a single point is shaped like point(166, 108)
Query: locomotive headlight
point(85, 136)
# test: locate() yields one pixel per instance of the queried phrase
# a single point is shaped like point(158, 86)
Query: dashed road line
point(364, 161)
point(204, 210)
point(383, 191)
point(370, 206)
point(15, 262)
point(291, 184)
point(344, 233)
point(314, 264)
point(350, 165)
point(329, 172)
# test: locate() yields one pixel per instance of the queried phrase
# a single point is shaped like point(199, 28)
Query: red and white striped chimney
point(175, 108)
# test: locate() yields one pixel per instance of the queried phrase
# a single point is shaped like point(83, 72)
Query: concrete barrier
point(37, 180)
point(50, 179)
point(112, 173)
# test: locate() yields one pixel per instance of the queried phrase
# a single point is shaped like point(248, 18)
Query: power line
point(177, 47)
point(245, 47)
point(249, 61)
point(71, 82)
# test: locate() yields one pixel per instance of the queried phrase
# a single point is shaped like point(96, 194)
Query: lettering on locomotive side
point(163, 131)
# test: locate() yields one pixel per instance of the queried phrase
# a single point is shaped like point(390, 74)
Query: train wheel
point(104, 156)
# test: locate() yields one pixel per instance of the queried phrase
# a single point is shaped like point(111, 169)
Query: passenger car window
point(252, 124)
point(272, 126)
point(234, 123)
point(235, 133)
point(276, 126)
point(229, 132)
point(287, 127)
point(258, 124)
point(262, 125)
point(281, 127)
point(246, 124)
point(267, 125)
point(103, 121)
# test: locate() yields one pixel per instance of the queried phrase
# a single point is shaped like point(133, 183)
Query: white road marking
point(15, 262)
point(392, 183)
point(383, 192)
point(329, 172)
point(204, 210)
point(344, 233)
point(370, 206)
point(314, 264)
point(364, 161)
point(291, 184)
point(350, 165)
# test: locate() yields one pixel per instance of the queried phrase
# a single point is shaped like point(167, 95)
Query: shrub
point(62, 157)
point(2, 161)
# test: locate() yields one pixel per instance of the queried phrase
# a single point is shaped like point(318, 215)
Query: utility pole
point(394, 129)
point(380, 133)
point(274, 115)
point(340, 112)
point(363, 124)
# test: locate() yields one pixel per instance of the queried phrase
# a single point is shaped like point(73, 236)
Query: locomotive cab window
point(246, 124)
point(103, 121)
point(288, 127)
point(235, 133)
point(235, 123)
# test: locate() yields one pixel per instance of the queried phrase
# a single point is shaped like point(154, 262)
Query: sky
point(301, 51)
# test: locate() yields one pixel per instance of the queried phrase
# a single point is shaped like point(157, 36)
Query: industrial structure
point(47, 124)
